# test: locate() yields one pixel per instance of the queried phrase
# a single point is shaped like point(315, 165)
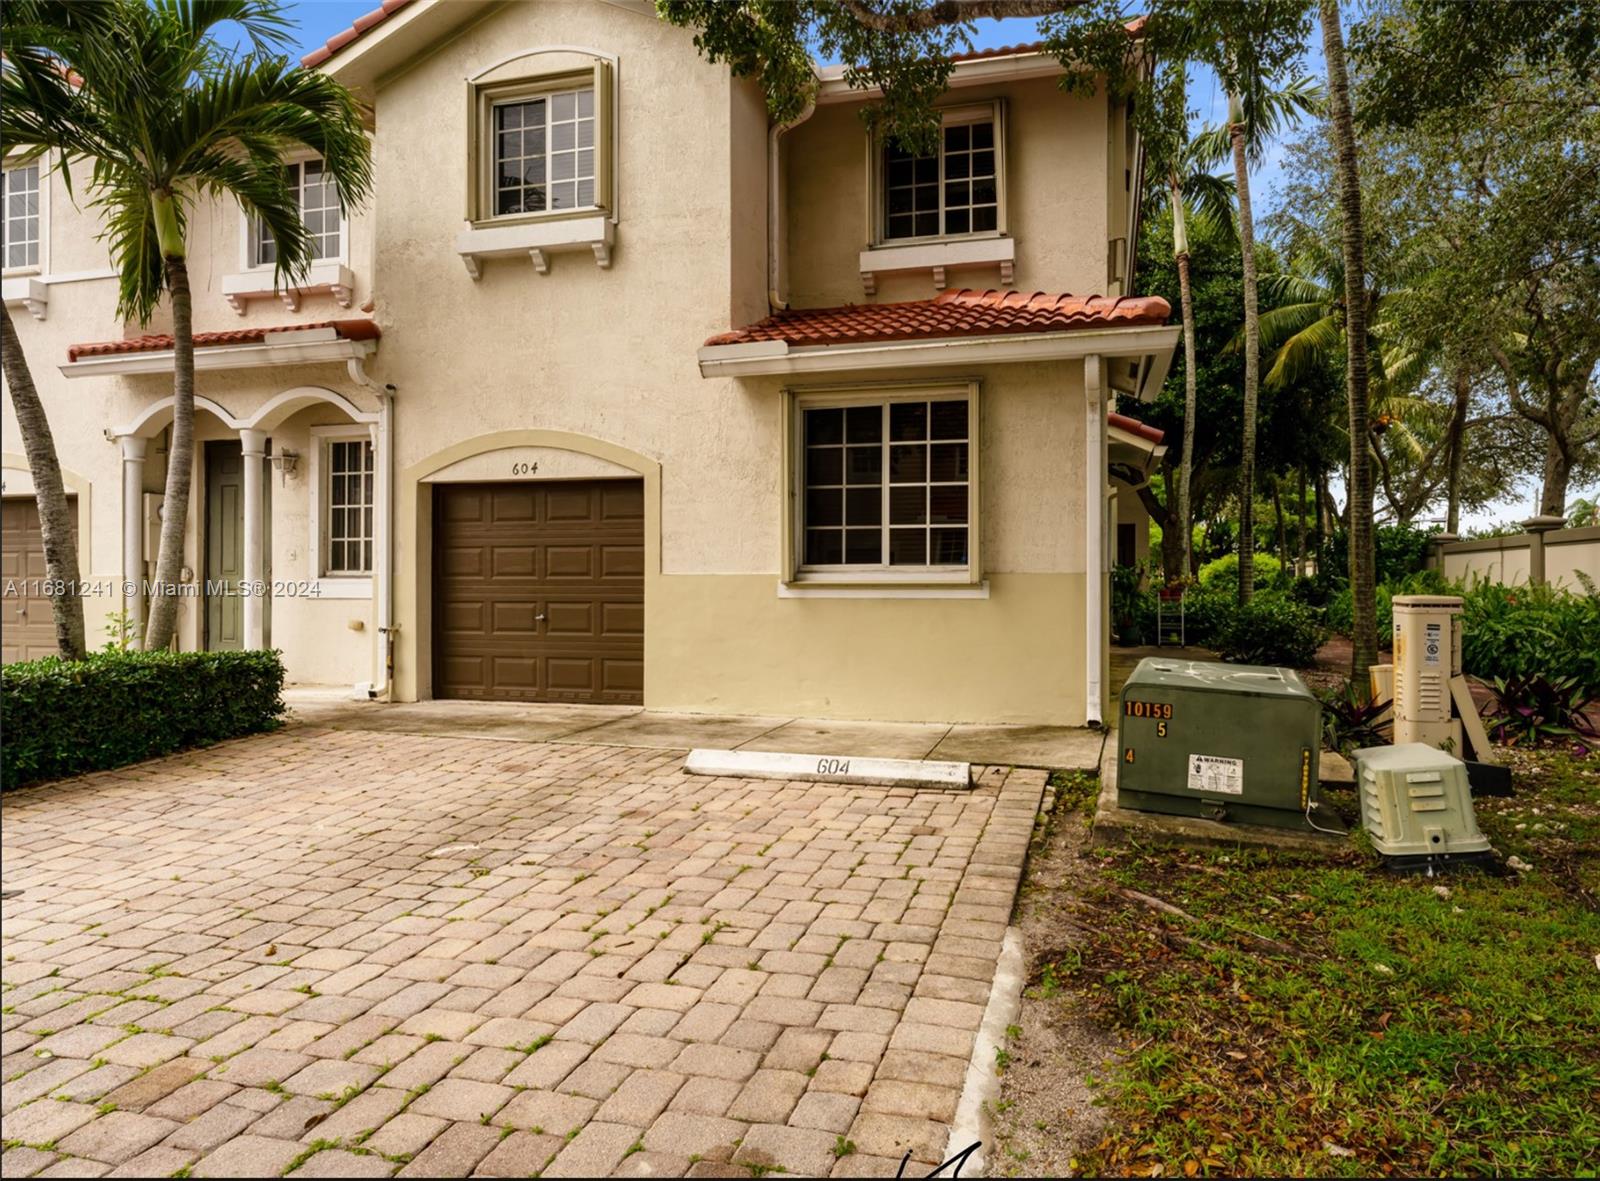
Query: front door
point(27, 620)
point(224, 557)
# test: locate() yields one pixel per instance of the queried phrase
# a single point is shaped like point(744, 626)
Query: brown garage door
point(539, 591)
point(27, 627)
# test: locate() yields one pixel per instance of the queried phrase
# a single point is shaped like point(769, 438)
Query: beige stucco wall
point(1055, 180)
point(601, 364)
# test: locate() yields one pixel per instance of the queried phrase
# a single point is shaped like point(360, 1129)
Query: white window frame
point(334, 586)
point(250, 226)
point(796, 573)
point(42, 163)
point(993, 111)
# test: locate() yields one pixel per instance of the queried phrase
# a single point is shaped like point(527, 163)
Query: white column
point(383, 537)
point(1094, 517)
point(254, 445)
point(133, 449)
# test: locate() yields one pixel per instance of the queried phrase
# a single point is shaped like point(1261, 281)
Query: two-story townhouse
point(641, 399)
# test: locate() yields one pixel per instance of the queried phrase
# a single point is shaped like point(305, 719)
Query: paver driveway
point(352, 954)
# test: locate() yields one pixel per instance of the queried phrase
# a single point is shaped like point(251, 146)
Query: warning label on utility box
point(1432, 643)
point(1214, 773)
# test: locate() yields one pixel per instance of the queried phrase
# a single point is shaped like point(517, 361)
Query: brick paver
point(368, 954)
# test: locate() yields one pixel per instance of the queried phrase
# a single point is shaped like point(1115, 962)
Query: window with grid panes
point(319, 209)
point(21, 220)
point(886, 484)
point(544, 153)
point(349, 507)
point(955, 190)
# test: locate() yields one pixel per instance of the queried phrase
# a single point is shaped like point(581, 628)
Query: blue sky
point(321, 19)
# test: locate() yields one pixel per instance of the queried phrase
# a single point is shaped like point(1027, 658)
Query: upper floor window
point(21, 221)
point(544, 153)
point(959, 189)
point(542, 145)
point(319, 209)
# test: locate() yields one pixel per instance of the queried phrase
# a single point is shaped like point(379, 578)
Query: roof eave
point(777, 358)
point(230, 356)
point(1013, 67)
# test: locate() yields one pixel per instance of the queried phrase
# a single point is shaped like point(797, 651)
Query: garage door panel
point(571, 550)
point(27, 620)
point(621, 562)
point(515, 618)
point(511, 561)
point(622, 619)
point(570, 619)
point(570, 561)
point(623, 676)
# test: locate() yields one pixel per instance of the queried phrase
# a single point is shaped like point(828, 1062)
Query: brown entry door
point(27, 623)
point(539, 591)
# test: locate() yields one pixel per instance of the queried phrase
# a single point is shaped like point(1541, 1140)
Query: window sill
point(882, 589)
point(332, 586)
point(938, 257)
point(328, 277)
point(538, 240)
point(27, 291)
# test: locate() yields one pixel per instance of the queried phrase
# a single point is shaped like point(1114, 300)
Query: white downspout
point(775, 206)
point(383, 524)
point(1094, 464)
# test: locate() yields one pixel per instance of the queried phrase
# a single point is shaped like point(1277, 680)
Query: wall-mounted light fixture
point(286, 461)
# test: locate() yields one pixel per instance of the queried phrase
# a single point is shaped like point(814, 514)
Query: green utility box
point(1233, 742)
point(1416, 805)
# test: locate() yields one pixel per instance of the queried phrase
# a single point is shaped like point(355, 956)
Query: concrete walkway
point(354, 953)
point(1051, 747)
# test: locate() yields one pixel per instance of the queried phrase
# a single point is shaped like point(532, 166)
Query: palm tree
point(1190, 182)
point(165, 115)
point(1256, 113)
point(33, 38)
point(1363, 558)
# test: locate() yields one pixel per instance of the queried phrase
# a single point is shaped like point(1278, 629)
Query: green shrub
point(1272, 629)
point(1207, 612)
point(1339, 612)
point(1517, 632)
point(1133, 607)
point(1223, 572)
point(64, 718)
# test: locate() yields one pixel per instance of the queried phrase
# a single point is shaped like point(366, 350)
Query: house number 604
point(524, 469)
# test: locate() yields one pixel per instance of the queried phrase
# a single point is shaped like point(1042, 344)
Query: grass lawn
point(1317, 1017)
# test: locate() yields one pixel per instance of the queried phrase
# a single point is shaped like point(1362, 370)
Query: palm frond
point(1304, 350)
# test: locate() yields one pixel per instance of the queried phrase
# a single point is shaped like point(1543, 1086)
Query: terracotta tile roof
point(953, 313)
point(362, 25)
point(1134, 427)
point(347, 329)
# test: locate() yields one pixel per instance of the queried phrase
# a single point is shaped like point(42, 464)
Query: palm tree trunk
point(1283, 532)
point(1362, 557)
point(55, 518)
point(1252, 356)
point(1190, 394)
point(1458, 430)
point(180, 463)
point(1300, 520)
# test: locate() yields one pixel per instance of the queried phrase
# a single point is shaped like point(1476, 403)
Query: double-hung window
point(348, 496)
point(886, 484)
point(21, 220)
point(319, 209)
point(955, 190)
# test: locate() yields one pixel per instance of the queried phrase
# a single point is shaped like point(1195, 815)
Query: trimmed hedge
point(1272, 629)
point(65, 718)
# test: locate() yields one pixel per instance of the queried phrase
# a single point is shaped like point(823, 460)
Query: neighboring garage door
point(539, 591)
point(27, 627)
